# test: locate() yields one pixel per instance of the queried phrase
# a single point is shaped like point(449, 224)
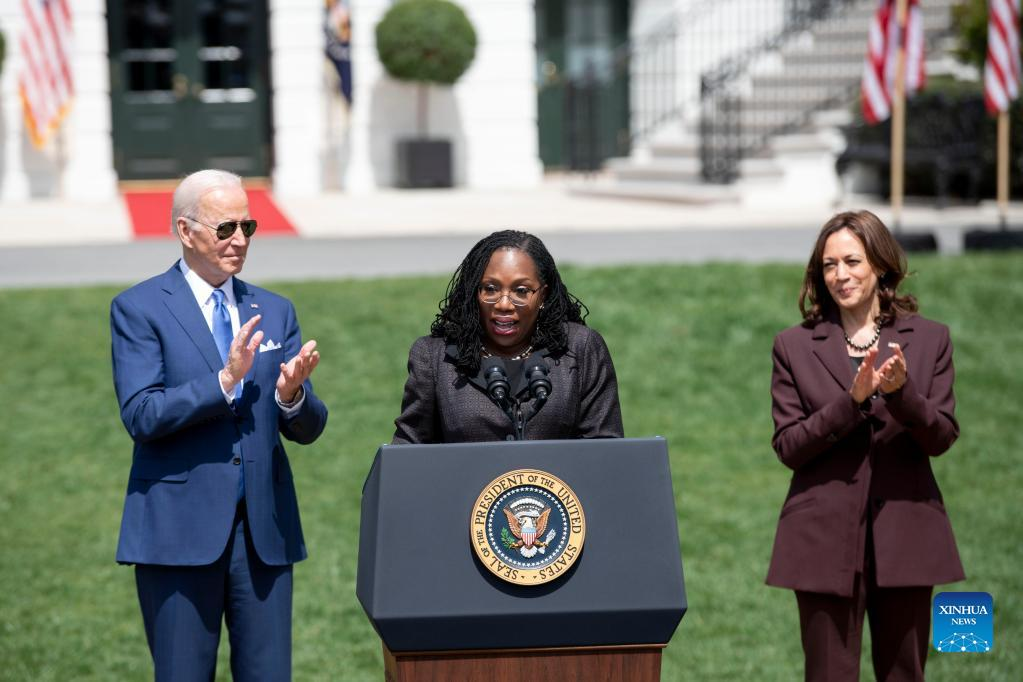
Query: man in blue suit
point(209, 373)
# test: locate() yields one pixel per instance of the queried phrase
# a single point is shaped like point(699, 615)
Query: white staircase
point(819, 68)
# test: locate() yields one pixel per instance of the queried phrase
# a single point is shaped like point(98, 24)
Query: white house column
point(89, 161)
point(78, 161)
point(358, 173)
point(299, 131)
point(13, 180)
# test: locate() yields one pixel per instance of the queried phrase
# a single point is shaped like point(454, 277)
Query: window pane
point(149, 55)
point(225, 48)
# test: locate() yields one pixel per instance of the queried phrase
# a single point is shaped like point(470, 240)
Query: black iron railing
point(596, 116)
point(740, 112)
point(657, 76)
point(741, 71)
point(652, 66)
point(636, 90)
point(744, 102)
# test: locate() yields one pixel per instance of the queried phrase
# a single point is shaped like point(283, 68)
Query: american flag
point(878, 85)
point(45, 82)
point(1002, 65)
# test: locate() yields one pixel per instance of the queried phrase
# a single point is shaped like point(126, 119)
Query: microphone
point(497, 383)
point(539, 383)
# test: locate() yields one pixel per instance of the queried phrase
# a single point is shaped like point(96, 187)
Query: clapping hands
point(241, 354)
point(296, 371)
point(243, 351)
point(887, 378)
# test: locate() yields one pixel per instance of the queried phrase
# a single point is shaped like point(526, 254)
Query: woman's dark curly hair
point(884, 255)
point(459, 318)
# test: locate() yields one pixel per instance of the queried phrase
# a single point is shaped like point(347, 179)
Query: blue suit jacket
point(182, 490)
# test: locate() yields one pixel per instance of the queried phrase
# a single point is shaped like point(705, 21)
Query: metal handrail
point(730, 128)
point(726, 133)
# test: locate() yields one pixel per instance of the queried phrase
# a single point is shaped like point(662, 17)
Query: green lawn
point(692, 348)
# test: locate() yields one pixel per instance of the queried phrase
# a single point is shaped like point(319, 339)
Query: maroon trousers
point(832, 628)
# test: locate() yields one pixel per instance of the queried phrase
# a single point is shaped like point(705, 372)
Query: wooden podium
point(632, 663)
point(442, 616)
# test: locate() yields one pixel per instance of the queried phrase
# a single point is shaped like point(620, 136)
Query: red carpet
point(150, 214)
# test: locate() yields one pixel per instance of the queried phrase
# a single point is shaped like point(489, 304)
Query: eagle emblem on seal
point(527, 521)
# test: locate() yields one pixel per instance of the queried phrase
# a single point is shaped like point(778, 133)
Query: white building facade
point(146, 109)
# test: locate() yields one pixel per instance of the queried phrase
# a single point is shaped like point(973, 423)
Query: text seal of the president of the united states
point(527, 527)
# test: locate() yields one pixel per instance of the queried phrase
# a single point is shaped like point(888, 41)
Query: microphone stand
point(537, 375)
point(519, 421)
point(498, 389)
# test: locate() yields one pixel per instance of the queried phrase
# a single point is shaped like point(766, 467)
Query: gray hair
point(191, 190)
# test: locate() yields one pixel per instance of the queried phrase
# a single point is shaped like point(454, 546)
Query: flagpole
point(1003, 169)
point(899, 118)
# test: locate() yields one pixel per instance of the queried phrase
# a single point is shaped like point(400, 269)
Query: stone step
point(628, 170)
point(681, 147)
point(818, 69)
point(797, 81)
point(845, 71)
point(660, 169)
point(827, 89)
point(759, 115)
point(834, 118)
point(933, 10)
point(802, 143)
point(759, 168)
point(800, 101)
point(934, 20)
point(692, 193)
point(841, 33)
point(851, 52)
point(768, 120)
point(867, 8)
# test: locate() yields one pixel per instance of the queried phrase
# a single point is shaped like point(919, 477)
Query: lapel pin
point(254, 305)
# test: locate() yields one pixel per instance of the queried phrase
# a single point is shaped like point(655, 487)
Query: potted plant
point(425, 42)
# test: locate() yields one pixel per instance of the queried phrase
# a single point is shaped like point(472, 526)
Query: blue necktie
point(223, 336)
point(221, 324)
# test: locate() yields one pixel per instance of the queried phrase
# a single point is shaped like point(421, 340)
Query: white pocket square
point(269, 345)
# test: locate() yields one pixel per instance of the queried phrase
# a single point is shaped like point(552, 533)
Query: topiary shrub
point(970, 19)
point(425, 41)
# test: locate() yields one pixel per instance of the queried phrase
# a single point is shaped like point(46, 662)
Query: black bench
point(943, 137)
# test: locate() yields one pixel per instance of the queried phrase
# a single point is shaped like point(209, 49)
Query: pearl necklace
point(867, 346)
point(521, 356)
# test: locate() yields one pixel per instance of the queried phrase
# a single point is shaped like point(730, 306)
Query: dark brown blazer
point(855, 462)
point(443, 405)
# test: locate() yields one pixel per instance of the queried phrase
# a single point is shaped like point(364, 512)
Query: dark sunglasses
point(226, 229)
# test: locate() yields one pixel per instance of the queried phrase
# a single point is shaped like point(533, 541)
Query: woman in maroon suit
point(862, 399)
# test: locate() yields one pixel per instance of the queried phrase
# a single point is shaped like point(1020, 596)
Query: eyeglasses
point(226, 229)
point(519, 296)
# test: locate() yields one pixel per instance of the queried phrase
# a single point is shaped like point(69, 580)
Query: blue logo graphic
point(964, 622)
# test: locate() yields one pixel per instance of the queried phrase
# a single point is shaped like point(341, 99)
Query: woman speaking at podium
point(509, 356)
point(862, 399)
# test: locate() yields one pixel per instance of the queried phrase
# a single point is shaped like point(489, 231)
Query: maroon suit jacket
point(853, 463)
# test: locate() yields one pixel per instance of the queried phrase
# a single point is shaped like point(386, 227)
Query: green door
point(582, 81)
point(189, 87)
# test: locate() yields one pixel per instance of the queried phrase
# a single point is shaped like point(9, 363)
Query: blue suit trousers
point(183, 606)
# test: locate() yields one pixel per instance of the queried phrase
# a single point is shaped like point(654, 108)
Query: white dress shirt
point(203, 292)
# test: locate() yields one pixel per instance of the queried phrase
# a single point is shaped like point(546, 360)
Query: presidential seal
point(527, 527)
